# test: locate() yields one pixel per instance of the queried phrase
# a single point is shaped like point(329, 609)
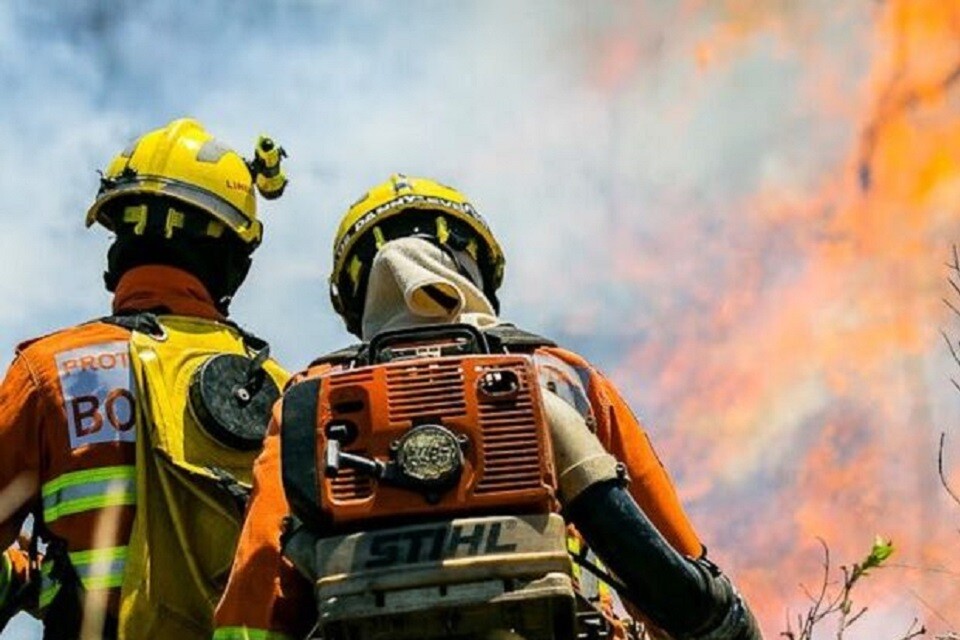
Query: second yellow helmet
point(404, 206)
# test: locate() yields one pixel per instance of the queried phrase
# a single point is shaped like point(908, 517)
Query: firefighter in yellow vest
point(413, 252)
point(130, 438)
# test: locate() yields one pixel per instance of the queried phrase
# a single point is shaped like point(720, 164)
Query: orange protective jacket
point(67, 433)
point(268, 599)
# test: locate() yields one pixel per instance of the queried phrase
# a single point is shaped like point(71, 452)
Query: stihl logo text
point(432, 544)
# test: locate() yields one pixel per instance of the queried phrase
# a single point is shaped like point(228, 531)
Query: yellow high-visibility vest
point(186, 526)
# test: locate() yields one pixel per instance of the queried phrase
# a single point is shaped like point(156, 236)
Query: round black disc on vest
point(232, 404)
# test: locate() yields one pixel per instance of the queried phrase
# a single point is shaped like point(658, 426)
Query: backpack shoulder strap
point(509, 338)
point(148, 322)
point(252, 341)
point(298, 447)
point(145, 322)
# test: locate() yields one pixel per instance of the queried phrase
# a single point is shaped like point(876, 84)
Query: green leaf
point(882, 549)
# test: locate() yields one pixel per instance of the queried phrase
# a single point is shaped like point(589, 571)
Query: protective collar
point(152, 287)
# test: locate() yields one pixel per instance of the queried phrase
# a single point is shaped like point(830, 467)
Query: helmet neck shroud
point(349, 296)
point(221, 262)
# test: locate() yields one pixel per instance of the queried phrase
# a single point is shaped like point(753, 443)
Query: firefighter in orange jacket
point(413, 252)
point(183, 209)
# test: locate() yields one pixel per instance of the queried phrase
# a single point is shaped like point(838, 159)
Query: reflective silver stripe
point(96, 568)
point(212, 150)
point(128, 152)
point(88, 490)
point(100, 568)
point(246, 633)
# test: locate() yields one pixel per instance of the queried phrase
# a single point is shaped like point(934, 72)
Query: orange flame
point(803, 399)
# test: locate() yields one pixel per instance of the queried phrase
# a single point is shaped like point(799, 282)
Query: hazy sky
point(677, 188)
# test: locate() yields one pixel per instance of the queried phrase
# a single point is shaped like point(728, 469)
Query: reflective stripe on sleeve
point(49, 586)
point(88, 490)
point(246, 633)
point(6, 577)
point(573, 547)
point(100, 568)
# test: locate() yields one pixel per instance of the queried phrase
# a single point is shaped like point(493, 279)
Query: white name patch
point(98, 393)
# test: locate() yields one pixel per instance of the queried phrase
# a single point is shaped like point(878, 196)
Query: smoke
point(739, 210)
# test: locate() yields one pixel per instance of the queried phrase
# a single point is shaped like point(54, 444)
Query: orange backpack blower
point(423, 493)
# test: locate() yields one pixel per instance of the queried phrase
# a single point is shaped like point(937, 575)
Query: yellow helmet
point(404, 206)
point(184, 162)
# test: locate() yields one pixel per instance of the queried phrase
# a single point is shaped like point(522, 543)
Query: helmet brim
point(249, 231)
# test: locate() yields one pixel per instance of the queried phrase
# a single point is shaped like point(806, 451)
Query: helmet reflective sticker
point(212, 150)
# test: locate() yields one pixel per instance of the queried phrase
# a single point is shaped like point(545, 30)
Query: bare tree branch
point(825, 602)
point(955, 265)
point(954, 285)
point(950, 304)
point(913, 631)
point(943, 478)
point(953, 351)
